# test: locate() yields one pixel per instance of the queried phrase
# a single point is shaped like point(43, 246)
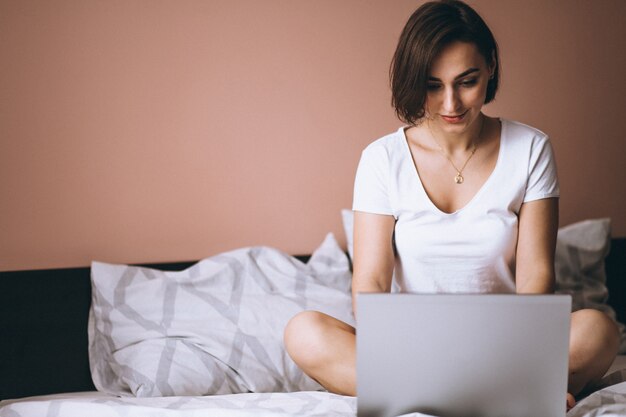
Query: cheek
point(431, 101)
point(475, 97)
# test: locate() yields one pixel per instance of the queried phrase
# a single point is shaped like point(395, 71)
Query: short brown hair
point(429, 29)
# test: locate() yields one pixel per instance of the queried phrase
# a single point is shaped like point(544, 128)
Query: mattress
point(609, 400)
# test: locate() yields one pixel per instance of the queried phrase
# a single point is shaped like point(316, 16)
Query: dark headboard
point(43, 325)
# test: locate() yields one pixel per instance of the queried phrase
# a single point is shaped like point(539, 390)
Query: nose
point(450, 101)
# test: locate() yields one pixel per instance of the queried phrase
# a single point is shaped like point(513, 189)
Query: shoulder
point(388, 143)
point(518, 131)
point(523, 139)
point(386, 147)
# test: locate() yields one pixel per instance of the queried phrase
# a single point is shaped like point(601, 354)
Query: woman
point(454, 202)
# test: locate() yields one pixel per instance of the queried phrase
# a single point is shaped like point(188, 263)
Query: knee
point(594, 325)
point(304, 337)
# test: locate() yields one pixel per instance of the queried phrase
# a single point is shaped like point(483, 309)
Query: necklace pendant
point(459, 178)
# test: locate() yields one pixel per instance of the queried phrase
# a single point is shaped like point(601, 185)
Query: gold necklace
point(458, 178)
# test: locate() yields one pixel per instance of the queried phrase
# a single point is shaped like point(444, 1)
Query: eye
point(469, 83)
point(433, 87)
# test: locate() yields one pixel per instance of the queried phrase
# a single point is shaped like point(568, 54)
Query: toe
point(571, 402)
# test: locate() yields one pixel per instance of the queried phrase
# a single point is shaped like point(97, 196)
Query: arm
point(373, 254)
point(536, 243)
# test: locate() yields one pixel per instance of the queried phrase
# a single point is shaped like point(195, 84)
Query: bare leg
point(325, 349)
point(594, 342)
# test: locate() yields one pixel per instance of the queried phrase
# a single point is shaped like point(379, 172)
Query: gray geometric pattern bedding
point(304, 404)
point(579, 265)
point(214, 328)
point(608, 402)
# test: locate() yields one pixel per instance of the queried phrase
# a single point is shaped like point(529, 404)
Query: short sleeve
point(371, 185)
point(542, 174)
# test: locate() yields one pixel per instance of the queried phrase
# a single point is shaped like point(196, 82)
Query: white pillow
point(579, 263)
point(215, 328)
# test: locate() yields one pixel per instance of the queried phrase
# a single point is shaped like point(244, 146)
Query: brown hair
point(429, 29)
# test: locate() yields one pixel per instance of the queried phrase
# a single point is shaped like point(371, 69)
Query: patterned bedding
point(95, 404)
point(159, 385)
point(215, 328)
point(609, 402)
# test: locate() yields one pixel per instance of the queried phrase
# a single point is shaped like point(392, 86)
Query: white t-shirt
point(473, 249)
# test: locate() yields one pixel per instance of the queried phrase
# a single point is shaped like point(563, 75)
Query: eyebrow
point(461, 75)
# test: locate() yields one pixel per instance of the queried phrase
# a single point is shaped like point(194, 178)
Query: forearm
point(368, 285)
point(373, 254)
point(535, 282)
point(538, 223)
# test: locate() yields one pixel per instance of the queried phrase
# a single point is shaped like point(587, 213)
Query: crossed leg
point(594, 342)
point(325, 349)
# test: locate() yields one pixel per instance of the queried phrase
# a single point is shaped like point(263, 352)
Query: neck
point(452, 143)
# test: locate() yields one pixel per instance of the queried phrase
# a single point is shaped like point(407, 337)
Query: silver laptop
point(462, 355)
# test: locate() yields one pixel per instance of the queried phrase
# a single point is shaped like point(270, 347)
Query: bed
point(84, 341)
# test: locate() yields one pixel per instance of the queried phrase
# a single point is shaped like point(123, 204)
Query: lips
point(455, 118)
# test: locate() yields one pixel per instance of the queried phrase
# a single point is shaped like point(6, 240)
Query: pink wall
point(144, 131)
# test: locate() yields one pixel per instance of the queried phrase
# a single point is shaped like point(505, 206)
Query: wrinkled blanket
point(609, 401)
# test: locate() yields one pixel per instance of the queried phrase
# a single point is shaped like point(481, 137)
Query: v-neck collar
point(485, 185)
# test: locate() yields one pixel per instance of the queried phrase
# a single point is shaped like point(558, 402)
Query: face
point(457, 87)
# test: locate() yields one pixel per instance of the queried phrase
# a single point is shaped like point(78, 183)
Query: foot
point(571, 402)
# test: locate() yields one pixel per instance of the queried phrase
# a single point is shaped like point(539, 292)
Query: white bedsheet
point(609, 401)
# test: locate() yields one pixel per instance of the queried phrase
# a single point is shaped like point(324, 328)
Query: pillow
point(214, 328)
point(579, 263)
point(347, 217)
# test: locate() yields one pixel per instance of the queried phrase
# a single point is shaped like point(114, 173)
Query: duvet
point(609, 401)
